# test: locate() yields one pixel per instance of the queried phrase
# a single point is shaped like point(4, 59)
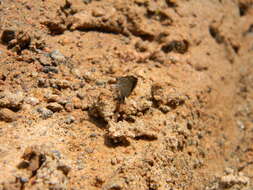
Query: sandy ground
point(119, 95)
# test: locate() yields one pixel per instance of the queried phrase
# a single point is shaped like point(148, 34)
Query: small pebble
point(100, 82)
point(51, 97)
point(45, 113)
point(89, 150)
point(56, 153)
point(76, 73)
point(229, 170)
point(165, 108)
point(23, 180)
point(80, 165)
point(69, 107)
point(32, 101)
point(12, 100)
point(7, 115)
point(45, 61)
point(77, 103)
point(240, 124)
point(113, 161)
point(76, 86)
point(98, 12)
point(60, 84)
point(55, 107)
point(62, 101)
point(49, 69)
point(80, 94)
point(57, 56)
point(70, 119)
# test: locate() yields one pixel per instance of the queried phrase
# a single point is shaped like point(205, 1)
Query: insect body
point(125, 86)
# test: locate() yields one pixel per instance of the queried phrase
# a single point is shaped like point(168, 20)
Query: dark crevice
point(120, 116)
point(176, 46)
point(115, 142)
point(65, 169)
point(245, 166)
point(55, 28)
point(42, 159)
point(160, 16)
point(171, 4)
point(214, 32)
point(155, 103)
point(189, 126)
point(236, 48)
point(146, 137)
point(144, 37)
point(66, 9)
point(14, 109)
point(67, 5)
point(7, 36)
point(130, 120)
point(243, 8)
point(250, 30)
point(30, 163)
point(23, 164)
point(103, 30)
point(98, 121)
point(175, 103)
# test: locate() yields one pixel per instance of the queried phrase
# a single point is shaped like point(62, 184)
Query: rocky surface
point(71, 119)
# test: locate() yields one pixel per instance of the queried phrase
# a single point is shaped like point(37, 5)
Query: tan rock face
point(123, 129)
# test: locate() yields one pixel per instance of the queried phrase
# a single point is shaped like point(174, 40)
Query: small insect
point(125, 86)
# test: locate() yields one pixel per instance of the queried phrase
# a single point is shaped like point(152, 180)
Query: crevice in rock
point(100, 122)
point(176, 46)
point(115, 142)
point(243, 8)
point(214, 32)
point(146, 137)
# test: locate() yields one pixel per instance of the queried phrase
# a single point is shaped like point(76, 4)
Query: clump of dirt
point(40, 168)
point(116, 95)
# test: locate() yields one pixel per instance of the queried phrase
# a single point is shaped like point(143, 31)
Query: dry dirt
point(187, 124)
